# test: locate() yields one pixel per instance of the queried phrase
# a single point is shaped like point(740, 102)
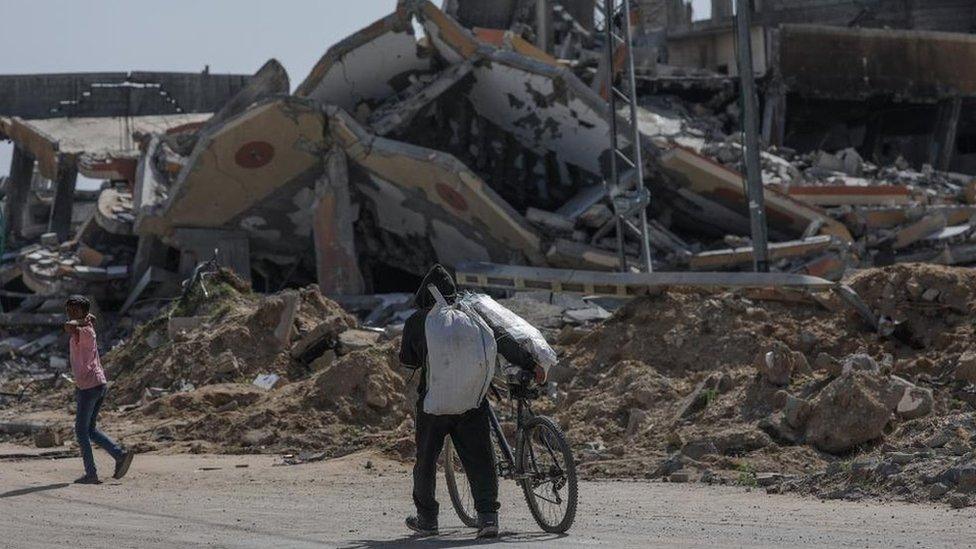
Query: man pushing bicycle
point(455, 350)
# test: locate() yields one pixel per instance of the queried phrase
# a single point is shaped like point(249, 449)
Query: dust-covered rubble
point(728, 389)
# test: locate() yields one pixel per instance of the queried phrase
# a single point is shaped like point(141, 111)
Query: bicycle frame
point(512, 471)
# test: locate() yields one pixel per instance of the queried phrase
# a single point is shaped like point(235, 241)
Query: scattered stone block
point(959, 501)
point(796, 411)
point(178, 325)
point(849, 411)
point(778, 364)
point(226, 364)
point(47, 438)
point(908, 400)
point(966, 367)
point(768, 479)
point(283, 329)
point(323, 361)
point(322, 337)
point(683, 475)
point(355, 340)
point(698, 449)
point(635, 421)
point(938, 490)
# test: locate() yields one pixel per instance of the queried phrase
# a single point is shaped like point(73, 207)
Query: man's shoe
point(122, 464)
point(88, 479)
point(422, 527)
point(487, 525)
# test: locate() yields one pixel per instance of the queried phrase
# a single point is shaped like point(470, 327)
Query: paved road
point(209, 501)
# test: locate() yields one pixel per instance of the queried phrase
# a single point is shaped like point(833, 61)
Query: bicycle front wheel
point(458, 486)
point(548, 474)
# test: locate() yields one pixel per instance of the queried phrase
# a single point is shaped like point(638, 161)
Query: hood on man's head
point(442, 280)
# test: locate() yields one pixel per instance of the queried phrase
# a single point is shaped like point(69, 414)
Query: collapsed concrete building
point(477, 132)
point(63, 125)
point(886, 77)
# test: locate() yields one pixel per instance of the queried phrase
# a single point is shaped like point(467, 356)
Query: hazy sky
point(232, 36)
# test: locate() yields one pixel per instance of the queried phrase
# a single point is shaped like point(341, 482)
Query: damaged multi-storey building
point(480, 131)
point(887, 77)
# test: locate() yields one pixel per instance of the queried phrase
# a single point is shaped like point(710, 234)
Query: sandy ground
point(249, 501)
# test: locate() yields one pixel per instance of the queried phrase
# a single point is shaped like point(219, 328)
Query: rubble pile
point(882, 214)
point(227, 334)
point(457, 135)
point(358, 400)
point(724, 388)
point(225, 369)
point(469, 136)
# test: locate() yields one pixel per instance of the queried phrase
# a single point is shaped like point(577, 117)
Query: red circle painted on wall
point(452, 197)
point(254, 154)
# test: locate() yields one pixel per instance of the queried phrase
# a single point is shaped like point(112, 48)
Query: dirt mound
point(358, 401)
point(225, 335)
point(921, 300)
point(683, 332)
point(728, 388)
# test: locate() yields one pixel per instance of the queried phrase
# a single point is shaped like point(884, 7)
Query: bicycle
point(542, 462)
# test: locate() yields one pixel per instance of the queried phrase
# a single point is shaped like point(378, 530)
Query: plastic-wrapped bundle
point(517, 340)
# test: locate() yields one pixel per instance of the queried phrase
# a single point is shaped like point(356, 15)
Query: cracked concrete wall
point(435, 185)
point(255, 173)
point(367, 67)
point(841, 63)
point(544, 105)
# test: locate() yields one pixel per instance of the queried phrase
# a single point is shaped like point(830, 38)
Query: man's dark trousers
point(470, 433)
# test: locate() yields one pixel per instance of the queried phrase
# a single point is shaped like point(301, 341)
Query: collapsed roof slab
point(368, 66)
point(394, 115)
point(99, 146)
point(733, 257)
point(431, 194)
point(543, 104)
point(722, 186)
point(851, 195)
point(255, 173)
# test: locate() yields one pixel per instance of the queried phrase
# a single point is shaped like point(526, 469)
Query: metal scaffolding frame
point(628, 193)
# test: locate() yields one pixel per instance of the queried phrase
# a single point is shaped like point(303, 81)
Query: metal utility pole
point(750, 127)
point(543, 21)
point(621, 162)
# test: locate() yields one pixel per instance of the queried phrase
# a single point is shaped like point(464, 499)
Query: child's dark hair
point(79, 301)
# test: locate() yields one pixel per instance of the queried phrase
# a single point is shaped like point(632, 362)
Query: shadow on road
point(453, 538)
point(31, 490)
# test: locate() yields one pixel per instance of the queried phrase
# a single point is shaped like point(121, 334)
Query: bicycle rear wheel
point(549, 482)
point(458, 486)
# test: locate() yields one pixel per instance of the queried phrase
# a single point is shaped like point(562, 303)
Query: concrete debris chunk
point(966, 367)
point(178, 326)
point(778, 364)
point(356, 340)
point(849, 411)
point(47, 438)
point(908, 400)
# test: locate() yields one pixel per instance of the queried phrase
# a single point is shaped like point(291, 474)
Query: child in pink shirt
point(86, 367)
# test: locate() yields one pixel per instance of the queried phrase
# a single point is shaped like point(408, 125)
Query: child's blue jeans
point(89, 403)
